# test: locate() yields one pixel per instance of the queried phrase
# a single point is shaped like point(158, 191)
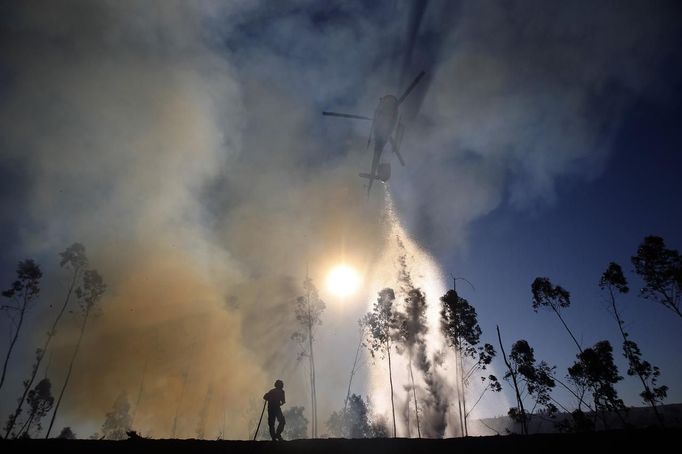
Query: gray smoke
point(181, 143)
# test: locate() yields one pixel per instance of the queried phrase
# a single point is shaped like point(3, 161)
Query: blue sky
point(573, 240)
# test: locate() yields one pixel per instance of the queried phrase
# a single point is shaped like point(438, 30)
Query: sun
point(343, 280)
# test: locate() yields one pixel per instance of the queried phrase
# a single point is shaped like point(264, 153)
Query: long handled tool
point(259, 421)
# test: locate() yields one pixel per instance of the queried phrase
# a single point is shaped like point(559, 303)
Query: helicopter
point(386, 128)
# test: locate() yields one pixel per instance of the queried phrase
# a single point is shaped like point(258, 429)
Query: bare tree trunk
point(567, 329)
point(50, 335)
point(390, 379)
point(519, 401)
point(459, 373)
point(68, 374)
point(27, 425)
point(464, 397)
point(459, 394)
point(628, 356)
point(414, 393)
point(139, 396)
point(314, 384)
point(22, 312)
point(182, 395)
point(352, 373)
point(311, 359)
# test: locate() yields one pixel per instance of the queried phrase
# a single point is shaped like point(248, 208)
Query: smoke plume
point(181, 142)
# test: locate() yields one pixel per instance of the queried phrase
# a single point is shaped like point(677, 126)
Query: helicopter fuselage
point(385, 119)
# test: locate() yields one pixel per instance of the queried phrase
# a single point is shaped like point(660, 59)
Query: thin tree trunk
point(464, 397)
point(407, 415)
point(22, 312)
point(312, 378)
point(416, 408)
point(50, 335)
point(485, 390)
point(581, 400)
point(519, 401)
point(312, 359)
point(312, 369)
point(459, 394)
point(352, 373)
point(27, 425)
point(390, 379)
point(628, 355)
point(68, 374)
point(139, 396)
point(567, 329)
point(182, 395)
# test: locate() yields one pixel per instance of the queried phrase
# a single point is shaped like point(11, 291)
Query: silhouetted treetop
point(661, 270)
point(27, 283)
point(73, 257)
point(548, 295)
point(596, 370)
point(92, 290)
point(613, 277)
point(22, 293)
point(382, 324)
point(459, 323)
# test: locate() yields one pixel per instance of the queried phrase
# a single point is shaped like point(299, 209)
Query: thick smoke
point(180, 142)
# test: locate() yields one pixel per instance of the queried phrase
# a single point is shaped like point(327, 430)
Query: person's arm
point(283, 399)
point(265, 396)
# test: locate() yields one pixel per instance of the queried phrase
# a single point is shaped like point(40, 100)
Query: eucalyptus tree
point(308, 311)
point(553, 297)
point(74, 260)
point(353, 421)
point(661, 270)
point(596, 370)
point(523, 369)
point(22, 294)
point(613, 281)
point(40, 402)
point(118, 421)
point(381, 326)
point(459, 324)
point(88, 295)
point(410, 334)
point(297, 424)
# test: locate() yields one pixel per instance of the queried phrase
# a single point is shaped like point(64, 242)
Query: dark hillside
point(611, 441)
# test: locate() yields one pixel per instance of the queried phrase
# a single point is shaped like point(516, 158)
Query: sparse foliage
point(67, 434)
point(73, 259)
point(308, 311)
point(117, 421)
point(537, 376)
point(23, 292)
point(352, 421)
point(538, 379)
point(411, 330)
point(40, 402)
point(356, 421)
point(381, 326)
point(459, 323)
point(596, 370)
point(296, 423)
point(88, 295)
point(614, 281)
point(553, 297)
point(661, 270)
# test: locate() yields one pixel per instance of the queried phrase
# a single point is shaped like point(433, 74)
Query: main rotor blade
point(343, 115)
point(411, 87)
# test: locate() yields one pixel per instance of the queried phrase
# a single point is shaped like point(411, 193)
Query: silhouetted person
point(275, 398)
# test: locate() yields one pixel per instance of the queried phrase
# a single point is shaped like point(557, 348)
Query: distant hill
point(639, 417)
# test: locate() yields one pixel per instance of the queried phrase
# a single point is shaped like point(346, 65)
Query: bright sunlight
point(343, 280)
